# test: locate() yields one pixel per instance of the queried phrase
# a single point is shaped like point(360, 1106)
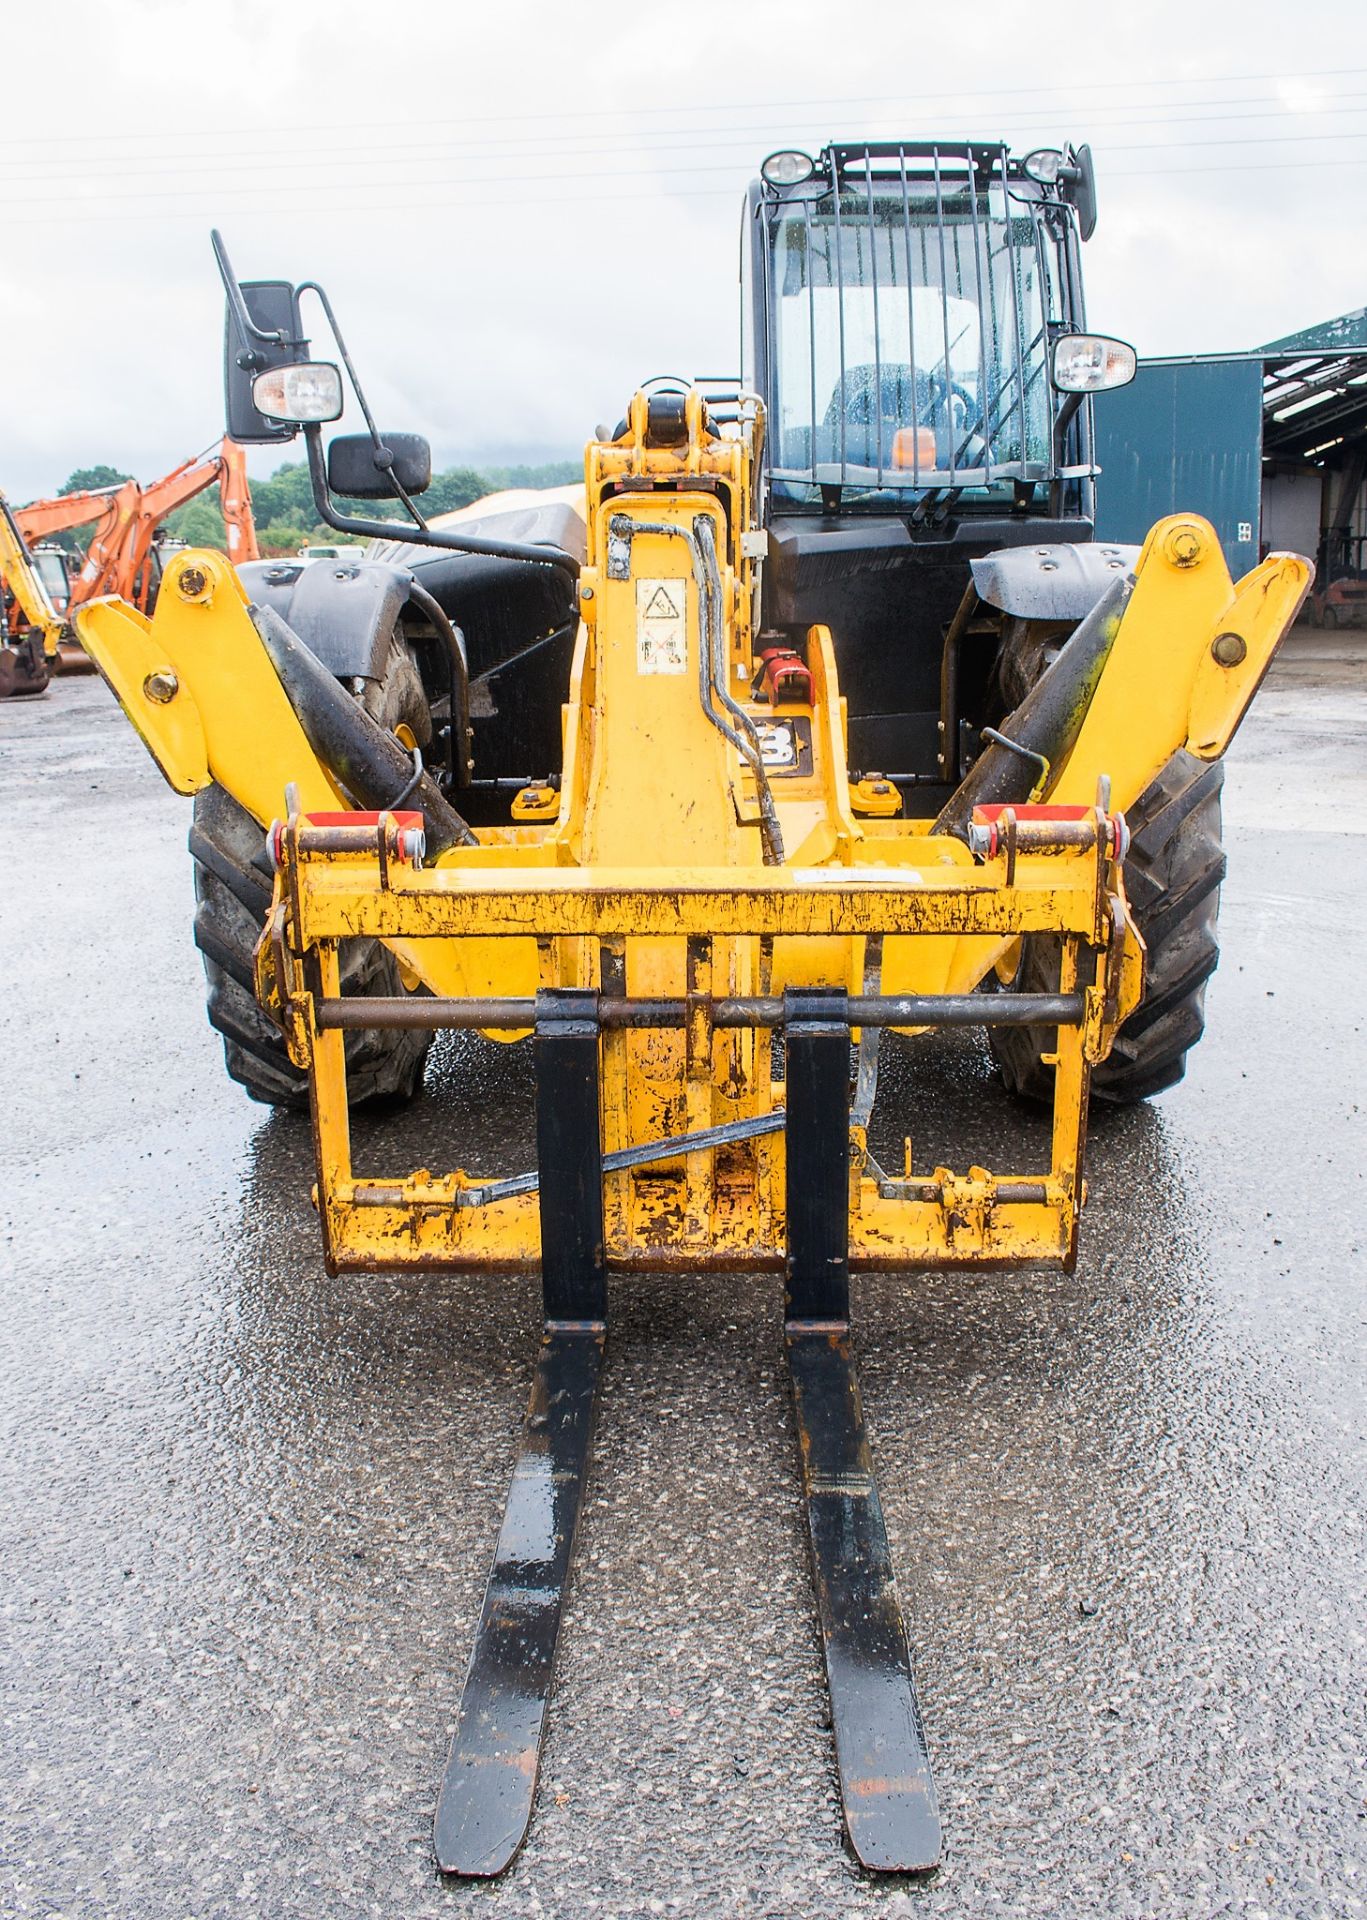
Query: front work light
point(788, 168)
point(304, 394)
point(1043, 165)
point(1091, 363)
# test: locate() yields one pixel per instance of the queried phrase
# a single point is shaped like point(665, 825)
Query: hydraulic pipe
point(1046, 723)
point(372, 765)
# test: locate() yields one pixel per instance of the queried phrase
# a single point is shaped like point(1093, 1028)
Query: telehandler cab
point(821, 713)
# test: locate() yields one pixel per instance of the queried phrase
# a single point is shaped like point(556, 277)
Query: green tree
point(457, 487)
point(285, 496)
point(551, 473)
point(91, 479)
point(199, 523)
point(281, 536)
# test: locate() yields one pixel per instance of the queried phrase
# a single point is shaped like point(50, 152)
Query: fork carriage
point(708, 1191)
point(764, 1175)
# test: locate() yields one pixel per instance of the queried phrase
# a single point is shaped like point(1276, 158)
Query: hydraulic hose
point(458, 676)
point(712, 664)
point(709, 592)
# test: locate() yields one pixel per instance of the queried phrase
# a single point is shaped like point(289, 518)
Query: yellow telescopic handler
point(820, 712)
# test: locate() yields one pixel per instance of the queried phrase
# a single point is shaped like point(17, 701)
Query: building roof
point(1349, 331)
point(1315, 389)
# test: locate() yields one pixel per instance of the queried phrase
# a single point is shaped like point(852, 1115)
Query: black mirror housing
point(265, 336)
point(1081, 191)
point(354, 469)
point(272, 307)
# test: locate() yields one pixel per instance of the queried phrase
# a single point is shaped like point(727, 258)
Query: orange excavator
point(121, 557)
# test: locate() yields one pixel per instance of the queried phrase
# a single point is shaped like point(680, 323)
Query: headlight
point(1091, 363)
point(788, 168)
point(302, 394)
point(1043, 164)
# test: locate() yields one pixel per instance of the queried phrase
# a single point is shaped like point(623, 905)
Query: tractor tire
point(1173, 872)
point(233, 883)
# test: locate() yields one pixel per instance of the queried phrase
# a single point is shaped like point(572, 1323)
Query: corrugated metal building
point(1270, 445)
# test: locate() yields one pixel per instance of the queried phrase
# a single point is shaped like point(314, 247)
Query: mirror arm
point(384, 457)
point(423, 536)
point(401, 490)
point(1064, 419)
point(248, 328)
point(312, 286)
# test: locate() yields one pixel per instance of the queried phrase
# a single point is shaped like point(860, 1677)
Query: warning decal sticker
point(661, 627)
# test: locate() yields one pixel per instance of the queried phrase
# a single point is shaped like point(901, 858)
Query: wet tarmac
point(246, 1512)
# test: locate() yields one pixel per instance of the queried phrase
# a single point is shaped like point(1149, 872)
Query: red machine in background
point(121, 556)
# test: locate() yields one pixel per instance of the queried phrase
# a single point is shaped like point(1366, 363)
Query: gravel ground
point(245, 1512)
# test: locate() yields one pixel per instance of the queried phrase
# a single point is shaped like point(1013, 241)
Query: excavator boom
point(125, 519)
point(40, 519)
point(131, 578)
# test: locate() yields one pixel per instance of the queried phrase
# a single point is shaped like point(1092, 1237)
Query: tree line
point(286, 518)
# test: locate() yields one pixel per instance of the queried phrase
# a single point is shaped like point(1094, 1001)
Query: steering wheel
point(944, 391)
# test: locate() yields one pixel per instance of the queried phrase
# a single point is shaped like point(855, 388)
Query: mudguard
point(1050, 583)
point(343, 610)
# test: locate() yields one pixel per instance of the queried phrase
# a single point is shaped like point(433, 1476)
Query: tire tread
point(1173, 873)
point(232, 895)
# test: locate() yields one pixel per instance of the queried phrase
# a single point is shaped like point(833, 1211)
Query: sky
point(521, 211)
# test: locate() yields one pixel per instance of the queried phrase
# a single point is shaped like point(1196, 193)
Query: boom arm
point(227, 466)
point(100, 570)
point(236, 498)
point(40, 519)
point(128, 517)
point(113, 509)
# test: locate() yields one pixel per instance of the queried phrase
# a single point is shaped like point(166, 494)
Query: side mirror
point(1091, 363)
point(272, 310)
point(1079, 187)
point(357, 468)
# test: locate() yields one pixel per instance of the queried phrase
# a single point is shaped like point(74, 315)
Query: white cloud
point(521, 212)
